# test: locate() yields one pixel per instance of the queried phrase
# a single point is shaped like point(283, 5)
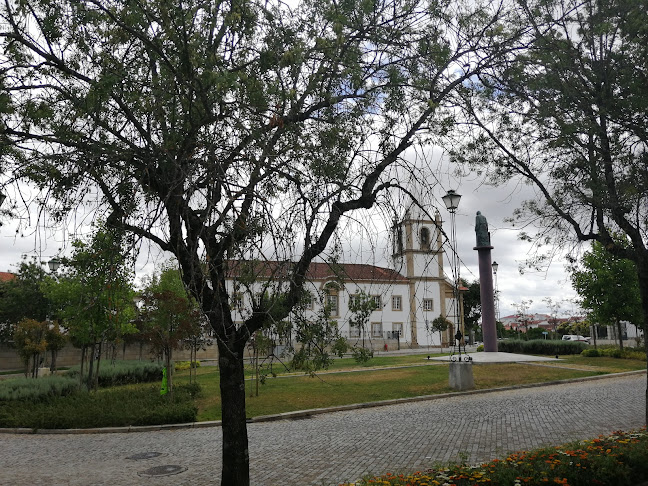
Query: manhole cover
point(168, 470)
point(144, 455)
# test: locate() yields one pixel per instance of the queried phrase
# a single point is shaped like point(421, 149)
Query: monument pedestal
point(461, 375)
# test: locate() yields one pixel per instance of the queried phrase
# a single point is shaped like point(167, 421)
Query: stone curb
point(301, 414)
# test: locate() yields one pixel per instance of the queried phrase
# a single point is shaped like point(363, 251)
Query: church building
point(407, 296)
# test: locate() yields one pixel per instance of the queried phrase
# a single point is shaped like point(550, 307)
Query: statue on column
point(481, 230)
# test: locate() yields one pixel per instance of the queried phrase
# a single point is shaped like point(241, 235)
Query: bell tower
point(417, 252)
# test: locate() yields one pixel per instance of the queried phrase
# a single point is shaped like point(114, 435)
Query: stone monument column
point(487, 296)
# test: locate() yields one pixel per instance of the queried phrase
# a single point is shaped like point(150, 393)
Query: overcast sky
point(496, 203)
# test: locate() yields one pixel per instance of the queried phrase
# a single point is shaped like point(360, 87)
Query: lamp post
point(451, 201)
point(495, 266)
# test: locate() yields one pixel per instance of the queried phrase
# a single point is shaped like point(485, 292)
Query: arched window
point(425, 239)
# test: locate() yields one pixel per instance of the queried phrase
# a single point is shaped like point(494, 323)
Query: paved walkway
point(330, 448)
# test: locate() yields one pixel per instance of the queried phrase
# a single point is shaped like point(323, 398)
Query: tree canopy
point(567, 114)
point(608, 288)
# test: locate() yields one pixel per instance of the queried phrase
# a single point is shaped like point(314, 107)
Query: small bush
point(615, 353)
point(37, 390)
point(193, 389)
point(185, 365)
point(362, 355)
point(124, 372)
point(480, 348)
point(541, 346)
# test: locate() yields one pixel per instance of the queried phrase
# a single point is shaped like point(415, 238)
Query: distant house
point(7, 276)
point(408, 296)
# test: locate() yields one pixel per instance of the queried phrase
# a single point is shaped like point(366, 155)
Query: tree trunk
point(95, 384)
point(236, 459)
point(91, 361)
point(169, 368)
point(619, 334)
point(53, 365)
point(642, 272)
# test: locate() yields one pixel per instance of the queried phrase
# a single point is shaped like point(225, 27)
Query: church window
point(425, 239)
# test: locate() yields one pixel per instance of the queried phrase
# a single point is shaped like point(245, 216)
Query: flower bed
point(616, 460)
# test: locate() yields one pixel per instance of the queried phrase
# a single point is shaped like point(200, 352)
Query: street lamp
point(54, 264)
point(495, 266)
point(451, 201)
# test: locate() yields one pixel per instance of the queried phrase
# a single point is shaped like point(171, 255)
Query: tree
point(441, 324)
point(522, 318)
point(56, 340)
point(232, 131)
point(22, 298)
point(169, 316)
point(608, 288)
point(472, 307)
point(30, 341)
point(568, 115)
point(553, 307)
point(361, 306)
point(93, 296)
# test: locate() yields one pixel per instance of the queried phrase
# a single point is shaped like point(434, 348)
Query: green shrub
point(362, 355)
point(124, 372)
point(123, 406)
point(185, 365)
point(614, 352)
point(193, 389)
point(480, 348)
point(591, 353)
point(541, 346)
point(37, 390)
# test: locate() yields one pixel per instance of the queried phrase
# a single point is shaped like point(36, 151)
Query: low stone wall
point(70, 356)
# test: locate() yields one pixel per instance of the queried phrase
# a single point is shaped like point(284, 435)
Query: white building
point(408, 296)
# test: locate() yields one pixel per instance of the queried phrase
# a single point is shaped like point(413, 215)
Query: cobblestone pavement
point(330, 448)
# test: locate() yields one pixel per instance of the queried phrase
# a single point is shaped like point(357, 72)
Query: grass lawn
point(301, 392)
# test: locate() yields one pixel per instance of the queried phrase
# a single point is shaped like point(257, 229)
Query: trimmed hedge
point(124, 372)
point(113, 407)
point(541, 346)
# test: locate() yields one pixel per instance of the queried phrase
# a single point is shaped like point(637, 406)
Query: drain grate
point(168, 470)
point(144, 455)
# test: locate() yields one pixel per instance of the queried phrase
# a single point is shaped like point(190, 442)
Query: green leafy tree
point(233, 130)
point(56, 340)
point(30, 339)
point(441, 324)
point(93, 296)
point(318, 338)
point(170, 317)
point(608, 288)
point(361, 306)
point(23, 298)
point(472, 307)
point(568, 114)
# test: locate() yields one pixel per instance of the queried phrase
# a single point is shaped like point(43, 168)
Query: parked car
point(576, 337)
